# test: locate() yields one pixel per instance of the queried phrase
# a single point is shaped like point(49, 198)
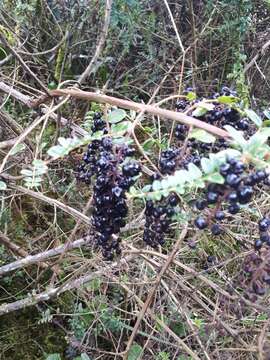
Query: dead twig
point(35, 259)
point(152, 292)
point(101, 43)
point(34, 298)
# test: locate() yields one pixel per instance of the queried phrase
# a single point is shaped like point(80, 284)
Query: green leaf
point(135, 352)
point(254, 117)
point(116, 116)
point(3, 185)
point(27, 172)
point(215, 178)
point(257, 140)
point(267, 113)
point(227, 99)
point(56, 151)
point(193, 172)
point(122, 140)
point(202, 108)
point(156, 185)
point(120, 128)
point(202, 136)
point(149, 144)
point(191, 96)
point(53, 357)
point(84, 356)
point(18, 148)
point(181, 176)
point(208, 166)
point(237, 136)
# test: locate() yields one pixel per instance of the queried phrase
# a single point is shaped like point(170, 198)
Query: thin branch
point(175, 27)
point(23, 64)
point(38, 195)
point(26, 100)
point(131, 105)
point(10, 122)
point(34, 299)
point(254, 59)
point(34, 259)
point(153, 291)
point(101, 43)
point(15, 249)
point(8, 143)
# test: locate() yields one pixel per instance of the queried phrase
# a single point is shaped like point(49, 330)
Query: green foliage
point(54, 357)
point(33, 176)
point(135, 352)
point(3, 185)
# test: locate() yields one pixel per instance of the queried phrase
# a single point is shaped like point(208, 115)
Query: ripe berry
point(232, 197)
point(233, 180)
point(258, 244)
point(201, 204)
point(212, 197)
point(234, 208)
point(201, 223)
point(264, 224)
point(266, 279)
point(216, 229)
point(173, 200)
point(244, 194)
point(265, 238)
point(219, 215)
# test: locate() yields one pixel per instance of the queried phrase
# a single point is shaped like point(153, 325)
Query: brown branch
point(7, 119)
point(26, 100)
point(23, 64)
point(101, 43)
point(15, 249)
point(34, 299)
point(34, 259)
point(254, 59)
point(8, 143)
point(30, 103)
point(38, 195)
point(151, 109)
point(152, 292)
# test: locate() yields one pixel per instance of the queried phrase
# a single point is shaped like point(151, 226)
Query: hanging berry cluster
point(237, 190)
point(113, 172)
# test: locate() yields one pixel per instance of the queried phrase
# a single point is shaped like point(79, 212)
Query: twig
point(175, 27)
point(9, 121)
point(131, 105)
point(26, 100)
point(38, 195)
point(29, 129)
point(171, 333)
point(26, 68)
point(254, 59)
point(34, 299)
point(101, 43)
point(262, 339)
point(8, 143)
point(34, 259)
point(153, 290)
point(15, 249)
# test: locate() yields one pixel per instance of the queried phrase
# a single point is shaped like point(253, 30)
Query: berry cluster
point(168, 160)
point(113, 174)
point(220, 116)
point(237, 190)
point(158, 219)
point(264, 227)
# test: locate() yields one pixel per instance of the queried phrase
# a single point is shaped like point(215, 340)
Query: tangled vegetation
point(134, 180)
